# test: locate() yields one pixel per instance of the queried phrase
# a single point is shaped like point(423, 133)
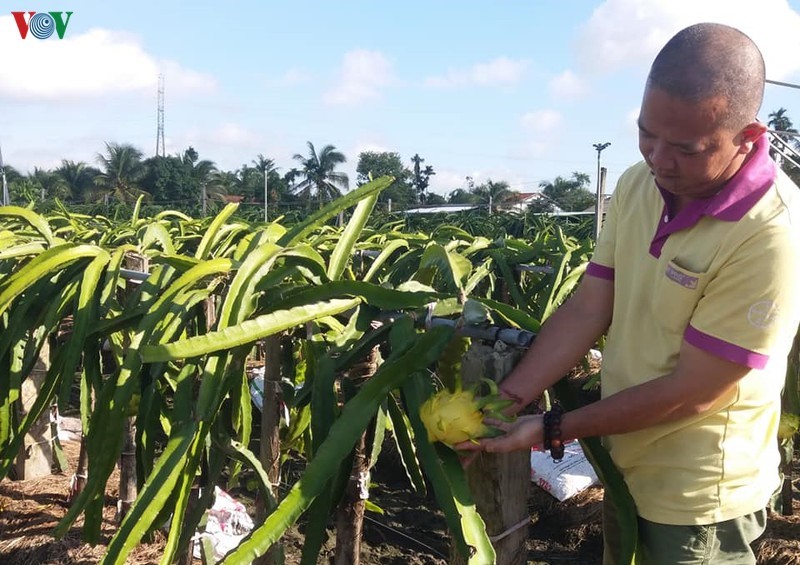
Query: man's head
point(712, 60)
point(698, 117)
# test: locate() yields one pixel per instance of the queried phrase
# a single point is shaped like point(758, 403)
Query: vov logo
point(41, 25)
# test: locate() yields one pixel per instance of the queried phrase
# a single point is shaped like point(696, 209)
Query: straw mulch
point(560, 532)
point(30, 510)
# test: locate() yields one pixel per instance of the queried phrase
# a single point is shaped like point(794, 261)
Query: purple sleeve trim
point(600, 271)
point(725, 349)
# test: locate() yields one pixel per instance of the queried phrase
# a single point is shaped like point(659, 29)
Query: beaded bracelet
point(552, 431)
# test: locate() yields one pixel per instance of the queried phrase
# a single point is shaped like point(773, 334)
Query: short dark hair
point(708, 60)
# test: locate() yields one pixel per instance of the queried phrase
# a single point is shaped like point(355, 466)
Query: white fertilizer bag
point(566, 478)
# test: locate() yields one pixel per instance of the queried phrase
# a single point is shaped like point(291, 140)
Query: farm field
point(150, 340)
point(410, 532)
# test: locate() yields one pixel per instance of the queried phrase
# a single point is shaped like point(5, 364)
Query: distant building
point(519, 201)
point(442, 209)
point(606, 200)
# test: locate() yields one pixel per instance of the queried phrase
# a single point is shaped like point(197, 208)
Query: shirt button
point(666, 218)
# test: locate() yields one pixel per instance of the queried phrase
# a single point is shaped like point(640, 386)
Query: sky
point(510, 90)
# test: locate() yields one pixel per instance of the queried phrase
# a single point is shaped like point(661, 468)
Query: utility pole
point(6, 199)
point(598, 209)
point(266, 195)
point(204, 196)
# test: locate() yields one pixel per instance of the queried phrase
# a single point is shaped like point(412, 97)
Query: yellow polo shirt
point(724, 275)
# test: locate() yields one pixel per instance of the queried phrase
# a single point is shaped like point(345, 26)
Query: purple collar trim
point(730, 204)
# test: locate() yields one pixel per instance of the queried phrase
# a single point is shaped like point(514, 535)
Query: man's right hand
point(521, 434)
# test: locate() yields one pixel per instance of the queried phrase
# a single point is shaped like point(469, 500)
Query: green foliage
point(421, 179)
point(570, 195)
point(372, 164)
point(785, 141)
point(323, 287)
point(321, 181)
point(170, 183)
point(78, 179)
point(122, 171)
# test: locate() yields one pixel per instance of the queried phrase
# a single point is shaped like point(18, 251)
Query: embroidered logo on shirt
point(763, 314)
point(682, 279)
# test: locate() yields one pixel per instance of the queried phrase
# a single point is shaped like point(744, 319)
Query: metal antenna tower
point(160, 151)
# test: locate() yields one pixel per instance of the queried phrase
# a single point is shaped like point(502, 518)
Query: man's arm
point(562, 342)
point(700, 381)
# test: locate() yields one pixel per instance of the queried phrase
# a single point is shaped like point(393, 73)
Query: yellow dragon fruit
point(453, 417)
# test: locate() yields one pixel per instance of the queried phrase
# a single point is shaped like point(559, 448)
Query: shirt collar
point(730, 204)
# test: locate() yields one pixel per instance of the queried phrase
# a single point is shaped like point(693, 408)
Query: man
point(694, 282)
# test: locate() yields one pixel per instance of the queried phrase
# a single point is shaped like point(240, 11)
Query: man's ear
point(749, 134)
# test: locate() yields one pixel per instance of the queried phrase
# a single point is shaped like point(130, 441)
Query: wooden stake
point(350, 512)
point(270, 449)
point(128, 489)
point(499, 483)
point(35, 458)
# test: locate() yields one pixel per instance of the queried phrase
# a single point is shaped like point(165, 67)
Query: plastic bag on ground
point(228, 523)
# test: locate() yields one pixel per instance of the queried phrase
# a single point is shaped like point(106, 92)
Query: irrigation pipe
point(510, 336)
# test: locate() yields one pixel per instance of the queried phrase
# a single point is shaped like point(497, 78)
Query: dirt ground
point(409, 532)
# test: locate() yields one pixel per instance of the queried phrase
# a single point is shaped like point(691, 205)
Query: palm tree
point(78, 179)
point(291, 175)
point(222, 183)
point(263, 163)
point(200, 172)
point(25, 188)
point(783, 142)
point(280, 193)
point(12, 174)
point(461, 196)
point(320, 178)
point(267, 167)
point(51, 185)
point(783, 127)
point(570, 194)
point(494, 193)
point(122, 172)
point(199, 169)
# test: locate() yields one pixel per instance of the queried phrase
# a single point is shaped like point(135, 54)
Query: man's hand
point(522, 434)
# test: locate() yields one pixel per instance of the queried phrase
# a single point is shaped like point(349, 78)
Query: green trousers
point(726, 542)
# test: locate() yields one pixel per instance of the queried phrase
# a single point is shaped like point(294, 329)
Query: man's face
point(689, 153)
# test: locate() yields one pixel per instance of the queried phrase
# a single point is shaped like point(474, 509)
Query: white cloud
point(630, 32)
point(226, 134)
point(88, 66)
point(498, 174)
point(234, 134)
point(544, 128)
point(227, 144)
point(500, 71)
point(374, 147)
point(567, 85)
point(446, 181)
point(543, 121)
point(293, 77)
point(631, 121)
point(363, 76)
point(184, 81)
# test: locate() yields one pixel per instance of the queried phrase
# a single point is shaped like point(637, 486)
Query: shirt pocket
point(677, 293)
